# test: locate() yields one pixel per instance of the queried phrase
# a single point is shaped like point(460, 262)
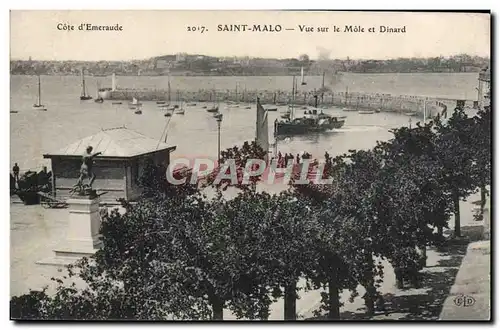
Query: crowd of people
point(283, 160)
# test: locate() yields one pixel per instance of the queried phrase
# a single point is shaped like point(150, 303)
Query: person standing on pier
point(15, 170)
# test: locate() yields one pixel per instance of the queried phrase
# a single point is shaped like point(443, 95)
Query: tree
point(413, 153)
point(456, 157)
point(481, 137)
point(342, 212)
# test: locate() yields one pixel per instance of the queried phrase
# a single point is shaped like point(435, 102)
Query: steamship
point(312, 121)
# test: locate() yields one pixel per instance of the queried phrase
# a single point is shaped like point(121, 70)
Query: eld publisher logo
point(464, 301)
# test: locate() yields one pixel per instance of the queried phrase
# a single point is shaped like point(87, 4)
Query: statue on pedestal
point(81, 188)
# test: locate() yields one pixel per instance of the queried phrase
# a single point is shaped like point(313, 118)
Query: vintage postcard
point(250, 165)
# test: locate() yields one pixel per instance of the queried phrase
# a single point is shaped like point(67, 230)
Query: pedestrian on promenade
point(15, 170)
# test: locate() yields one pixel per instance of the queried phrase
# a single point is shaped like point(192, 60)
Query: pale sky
point(153, 33)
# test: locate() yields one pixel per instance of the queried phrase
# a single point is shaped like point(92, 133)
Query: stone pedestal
point(82, 238)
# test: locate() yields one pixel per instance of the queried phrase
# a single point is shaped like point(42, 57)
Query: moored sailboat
point(302, 76)
point(38, 105)
point(134, 104)
point(215, 106)
point(84, 96)
point(180, 109)
point(98, 99)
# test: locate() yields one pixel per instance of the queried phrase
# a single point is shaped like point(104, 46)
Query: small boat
point(163, 105)
point(411, 114)
point(191, 104)
point(180, 110)
point(272, 109)
point(168, 114)
point(348, 109)
point(204, 107)
point(285, 116)
point(14, 111)
point(38, 105)
point(161, 102)
point(84, 96)
point(217, 115)
point(215, 106)
point(138, 112)
point(117, 103)
point(134, 103)
point(377, 110)
point(366, 112)
point(248, 107)
point(99, 98)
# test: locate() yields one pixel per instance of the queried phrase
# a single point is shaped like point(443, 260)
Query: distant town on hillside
point(201, 65)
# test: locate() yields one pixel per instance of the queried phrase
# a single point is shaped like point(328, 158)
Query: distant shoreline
point(248, 75)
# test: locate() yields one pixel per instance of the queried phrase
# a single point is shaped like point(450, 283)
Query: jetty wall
point(354, 100)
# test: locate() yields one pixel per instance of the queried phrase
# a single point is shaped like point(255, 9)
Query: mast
point(302, 75)
point(169, 95)
point(84, 90)
point(39, 91)
point(83, 83)
point(323, 83)
point(425, 110)
point(293, 97)
point(346, 93)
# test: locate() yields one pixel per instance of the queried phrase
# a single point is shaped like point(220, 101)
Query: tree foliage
point(177, 254)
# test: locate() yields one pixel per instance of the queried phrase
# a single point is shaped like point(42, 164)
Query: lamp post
point(219, 121)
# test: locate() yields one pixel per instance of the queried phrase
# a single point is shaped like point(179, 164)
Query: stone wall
point(361, 101)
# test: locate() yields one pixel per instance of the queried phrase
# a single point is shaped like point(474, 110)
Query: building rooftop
point(120, 142)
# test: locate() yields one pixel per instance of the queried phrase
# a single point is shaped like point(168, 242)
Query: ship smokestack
point(315, 101)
